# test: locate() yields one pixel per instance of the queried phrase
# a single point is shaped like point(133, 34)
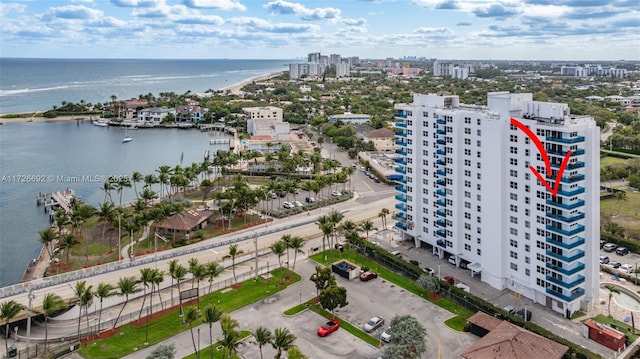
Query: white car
point(386, 335)
point(288, 205)
point(336, 193)
point(297, 203)
point(373, 324)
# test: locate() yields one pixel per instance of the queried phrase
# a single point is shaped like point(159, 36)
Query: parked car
point(282, 193)
point(376, 180)
point(452, 259)
point(328, 328)
point(336, 193)
point(614, 265)
point(386, 335)
point(414, 262)
point(309, 199)
point(288, 205)
point(621, 251)
point(521, 314)
point(396, 253)
point(274, 195)
point(602, 243)
point(367, 276)
point(429, 271)
point(627, 268)
point(373, 324)
point(604, 259)
point(449, 279)
point(297, 203)
point(510, 309)
point(610, 247)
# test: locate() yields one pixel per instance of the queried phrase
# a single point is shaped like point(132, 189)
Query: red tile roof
point(484, 320)
point(186, 220)
point(509, 341)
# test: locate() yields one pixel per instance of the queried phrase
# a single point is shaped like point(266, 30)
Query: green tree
point(278, 248)
point(213, 270)
point(612, 290)
point(163, 351)
point(263, 337)
point(51, 303)
point(282, 340)
point(295, 353)
point(211, 315)
point(85, 297)
point(47, 237)
point(191, 314)
point(230, 334)
point(429, 282)
point(333, 297)
point(621, 196)
point(8, 310)
point(103, 291)
point(296, 244)
point(126, 287)
point(233, 253)
point(407, 339)
point(383, 214)
point(323, 278)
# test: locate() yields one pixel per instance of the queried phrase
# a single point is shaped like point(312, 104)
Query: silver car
point(373, 324)
point(386, 335)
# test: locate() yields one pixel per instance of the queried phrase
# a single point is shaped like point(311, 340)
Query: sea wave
point(28, 90)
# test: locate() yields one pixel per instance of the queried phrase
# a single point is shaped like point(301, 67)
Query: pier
point(56, 200)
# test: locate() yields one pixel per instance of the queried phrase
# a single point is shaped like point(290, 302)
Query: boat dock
point(56, 200)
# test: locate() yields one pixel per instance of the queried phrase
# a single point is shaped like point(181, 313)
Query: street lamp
point(198, 353)
point(146, 334)
point(119, 238)
point(31, 297)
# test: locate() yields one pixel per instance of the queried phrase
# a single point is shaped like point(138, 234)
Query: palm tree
point(263, 337)
point(278, 249)
point(383, 214)
point(8, 310)
point(286, 240)
point(233, 252)
point(199, 272)
point(213, 270)
point(146, 278)
point(156, 279)
point(230, 333)
point(104, 290)
point(335, 217)
point(191, 314)
point(47, 237)
point(85, 301)
point(327, 228)
point(612, 289)
point(173, 264)
point(107, 187)
point(179, 274)
point(51, 303)
point(282, 340)
point(367, 226)
point(68, 242)
point(105, 212)
point(193, 263)
point(211, 315)
point(621, 196)
point(126, 287)
point(135, 178)
point(84, 294)
point(296, 244)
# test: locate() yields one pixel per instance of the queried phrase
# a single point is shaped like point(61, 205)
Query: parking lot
point(630, 260)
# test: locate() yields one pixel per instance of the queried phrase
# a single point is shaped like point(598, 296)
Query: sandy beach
point(233, 89)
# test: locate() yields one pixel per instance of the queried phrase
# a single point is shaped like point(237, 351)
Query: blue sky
point(445, 29)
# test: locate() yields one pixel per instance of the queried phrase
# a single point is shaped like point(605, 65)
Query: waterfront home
point(181, 226)
point(152, 117)
point(189, 113)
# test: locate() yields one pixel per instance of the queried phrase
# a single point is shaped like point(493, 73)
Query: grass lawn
point(130, 337)
point(395, 278)
point(629, 211)
point(623, 327)
point(456, 323)
point(297, 309)
point(609, 160)
point(205, 353)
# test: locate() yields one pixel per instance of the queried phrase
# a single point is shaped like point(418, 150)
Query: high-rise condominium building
point(468, 191)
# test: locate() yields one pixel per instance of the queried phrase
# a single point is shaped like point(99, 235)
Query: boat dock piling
point(55, 200)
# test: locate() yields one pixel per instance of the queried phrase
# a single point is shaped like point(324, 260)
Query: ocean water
point(28, 85)
point(56, 150)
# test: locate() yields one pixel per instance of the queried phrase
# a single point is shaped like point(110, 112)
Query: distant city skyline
point(564, 30)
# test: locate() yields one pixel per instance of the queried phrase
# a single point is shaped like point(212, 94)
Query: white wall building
point(152, 117)
point(466, 189)
point(266, 122)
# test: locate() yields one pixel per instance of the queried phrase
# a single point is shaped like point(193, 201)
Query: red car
point(368, 276)
point(328, 328)
point(449, 279)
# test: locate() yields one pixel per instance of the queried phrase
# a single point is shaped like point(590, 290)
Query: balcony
point(441, 243)
point(565, 139)
point(400, 160)
point(441, 233)
point(441, 121)
point(401, 198)
point(577, 152)
point(441, 192)
point(400, 216)
point(400, 115)
point(400, 125)
point(441, 203)
point(401, 134)
point(568, 243)
point(570, 166)
point(441, 152)
point(441, 132)
point(441, 182)
point(441, 223)
point(575, 230)
point(571, 218)
point(441, 142)
point(401, 170)
point(573, 192)
point(576, 293)
point(401, 152)
point(567, 285)
point(570, 258)
point(401, 143)
point(401, 226)
point(441, 162)
point(402, 189)
point(441, 213)
point(572, 179)
point(401, 180)
point(573, 205)
point(401, 207)
point(441, 172)
point(566, 270)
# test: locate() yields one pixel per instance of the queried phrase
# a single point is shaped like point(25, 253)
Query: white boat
point(101, 123)
point(127, 139)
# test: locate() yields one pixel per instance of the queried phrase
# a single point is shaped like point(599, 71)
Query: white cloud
point(261, 24)
point(11, 7)
point(281, 7)
point(216, 4)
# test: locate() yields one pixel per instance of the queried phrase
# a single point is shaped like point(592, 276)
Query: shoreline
point(232, 89)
